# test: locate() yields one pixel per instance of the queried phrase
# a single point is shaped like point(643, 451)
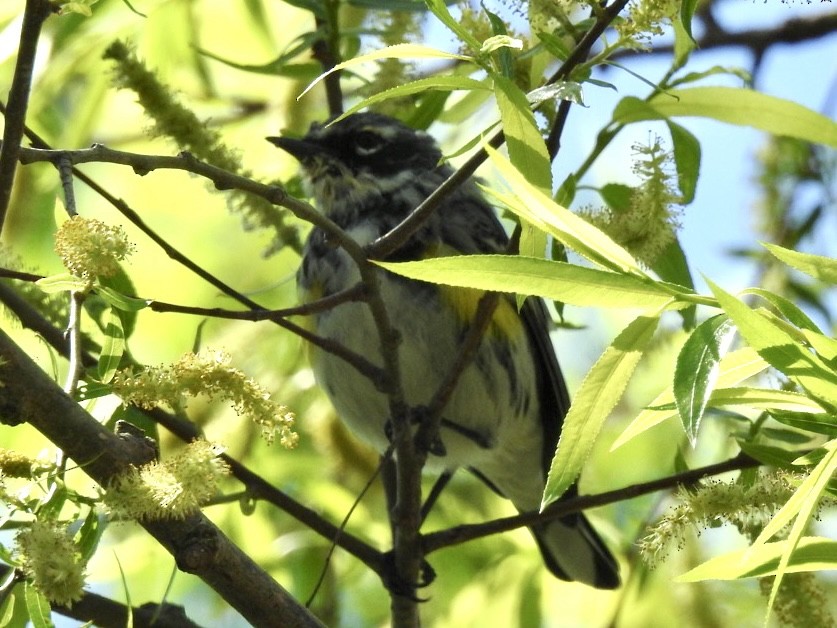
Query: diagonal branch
point(199, 547)
point(460, 534)
point(34, 16)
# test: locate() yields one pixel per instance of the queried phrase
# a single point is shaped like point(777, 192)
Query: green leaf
point(498, 42)
point(121, 301)
point(398, 51)
point(443, 83)
point(696, 370)
point(686, 160)
point(617, 195)
point(773, 456)
point(800, 506)
point(780, 348)
point(560, 90)
point(735, 367)
point(817, 266)
point(817, 423)
point(687, 12)
point(559, 281)
point(440, 10)
point(598, 395)
point(63, 282)
point(811, 554)
point(684, 42)
point(763, 398)
point(113, 347)
point(787, 308)
point(743, 107)
point(37, 606)
point(527, 149)
point(671, 266)
point(9, 604)
point(532, 205)
point(90, 532)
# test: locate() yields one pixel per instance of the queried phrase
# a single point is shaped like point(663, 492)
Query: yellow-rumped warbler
point(366, 173)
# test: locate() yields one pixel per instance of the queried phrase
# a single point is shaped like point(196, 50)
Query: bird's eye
point(367, 142)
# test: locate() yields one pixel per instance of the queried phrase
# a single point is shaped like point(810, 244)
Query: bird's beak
point(300, 148)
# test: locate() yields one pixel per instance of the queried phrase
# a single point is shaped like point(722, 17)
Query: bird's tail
point(573, 551)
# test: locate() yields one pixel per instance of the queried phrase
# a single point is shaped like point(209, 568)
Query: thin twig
point(460, 534)
point(34, 16)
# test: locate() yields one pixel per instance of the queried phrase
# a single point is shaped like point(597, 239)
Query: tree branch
point(460, 534)
point(758, 40)
point(199, 547)
point(34, 16)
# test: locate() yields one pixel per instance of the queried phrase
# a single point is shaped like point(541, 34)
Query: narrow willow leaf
point(9, 602)
point(113, 347)
point(672, 266)
point(801, 501)
point(598, 395)
point(735, 367)
point(501, 41)
point(773, 456)
point(779, 348)
point(687, 11)
point(398, 51)
point(90, 533)
point(529, 276)
point(37, 606)
point(686, 160)
point(696, 370)
point(812, 554)
point(801, 505)
point(527, 149)
point(532, 205)
point(743, 107)
point(120, 301)
point(786, 307)
point(441, 83)
point(821, 423)
point(440, 10)
point(64, 282)
point(764, 398)
point(817, 266)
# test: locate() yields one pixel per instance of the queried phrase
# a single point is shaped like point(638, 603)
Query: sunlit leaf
point(37, 606)
point(798, 509)
point(743, 107)
point(443, 83)
point(527, 149)
point(779, 348)
point(817, 266)
point(598, 395)
point(398, 51)
point(560, 281)
point(532, 205)
point(64, 282)
point(811, 554)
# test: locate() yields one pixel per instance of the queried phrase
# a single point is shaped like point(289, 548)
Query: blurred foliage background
point(497, 581)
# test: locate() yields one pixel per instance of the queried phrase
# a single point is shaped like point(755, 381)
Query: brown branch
point(256, 486)
point(564, 507)
point(792, 31)
point(198, 546)
point(34, 16)
point(107, 613)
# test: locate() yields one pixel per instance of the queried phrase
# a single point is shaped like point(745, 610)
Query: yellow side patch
point(505, 322)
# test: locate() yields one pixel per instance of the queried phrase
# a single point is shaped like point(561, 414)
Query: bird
point(367, 172)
